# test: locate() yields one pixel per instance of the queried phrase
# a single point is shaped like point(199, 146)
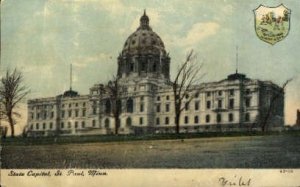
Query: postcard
point(144, 93)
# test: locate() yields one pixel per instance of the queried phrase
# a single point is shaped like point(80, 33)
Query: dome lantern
point(144, 21)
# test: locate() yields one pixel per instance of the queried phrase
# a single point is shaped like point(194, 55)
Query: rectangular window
point(167, 97)
point(142, 108)
point(70, 113)
point(52, 115)
point(158, 98)
point(186, 106)
point(248, 102)
point(197, 105)
point(141, 121)
point(208, 94)
point(220, 92)
point(62, 113)
point(231, 103)
point(44, 126)
point(167, 107)
point(76, 113)
point(158, 108)
point(208, 104)
point(230, 116)
point(219, 103)
point(231, 92)
point(94, 110)
point(83, 112)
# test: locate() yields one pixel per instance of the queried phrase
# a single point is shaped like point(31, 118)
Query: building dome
point(144, 40)
point(144, 54)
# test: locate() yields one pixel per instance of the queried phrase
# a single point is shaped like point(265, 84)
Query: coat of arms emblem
point(272, 24)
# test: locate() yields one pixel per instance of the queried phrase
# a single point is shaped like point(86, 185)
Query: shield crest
point(272, 24)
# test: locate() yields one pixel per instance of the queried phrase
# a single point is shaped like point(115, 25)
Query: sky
point(43, 37)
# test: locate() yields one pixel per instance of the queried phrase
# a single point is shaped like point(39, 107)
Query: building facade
point(235, 103)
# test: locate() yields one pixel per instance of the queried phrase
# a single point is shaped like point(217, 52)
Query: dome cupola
point(144, 53)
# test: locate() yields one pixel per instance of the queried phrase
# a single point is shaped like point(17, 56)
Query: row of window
point(70, 113)
point(63, 105)
point(62, 125)
point(141, 121)
point(42, 115)
point(74, 104)
point(208, 94)
point(207, 119)
point(186, 120)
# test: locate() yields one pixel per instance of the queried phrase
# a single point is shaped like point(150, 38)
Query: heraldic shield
point(272, 24)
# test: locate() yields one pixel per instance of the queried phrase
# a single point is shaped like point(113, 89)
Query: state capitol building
point(236, 103)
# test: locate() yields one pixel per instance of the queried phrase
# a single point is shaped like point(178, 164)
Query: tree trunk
point(117, 122)
point(177, 120)
point(11, 124)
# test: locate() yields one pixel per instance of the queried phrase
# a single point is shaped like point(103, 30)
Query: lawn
point(272, 151)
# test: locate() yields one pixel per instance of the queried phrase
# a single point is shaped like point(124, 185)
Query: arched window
point(230, 117)
point(119, 105)
point(167, 120)
point(107, 106)
point(129, 105)
point(128, 122)
point(219, 118)
point(207, 118)
point(157, 121)
point(131, 67)
point(196, 119)
point(186, 120)
point(106, 122)
point(154, 67)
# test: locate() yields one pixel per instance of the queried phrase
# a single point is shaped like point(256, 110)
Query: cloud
point(199, 32)
point(83, 61)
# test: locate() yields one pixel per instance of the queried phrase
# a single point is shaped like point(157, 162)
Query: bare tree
point(12, 91)
point(113, 90)
point(273, 100)
point(188, 74)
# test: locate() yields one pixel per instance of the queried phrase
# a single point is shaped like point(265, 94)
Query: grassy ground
point(272, 151)
point(120, 138)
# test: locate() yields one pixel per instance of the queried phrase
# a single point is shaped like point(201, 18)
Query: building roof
point(144, 40)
